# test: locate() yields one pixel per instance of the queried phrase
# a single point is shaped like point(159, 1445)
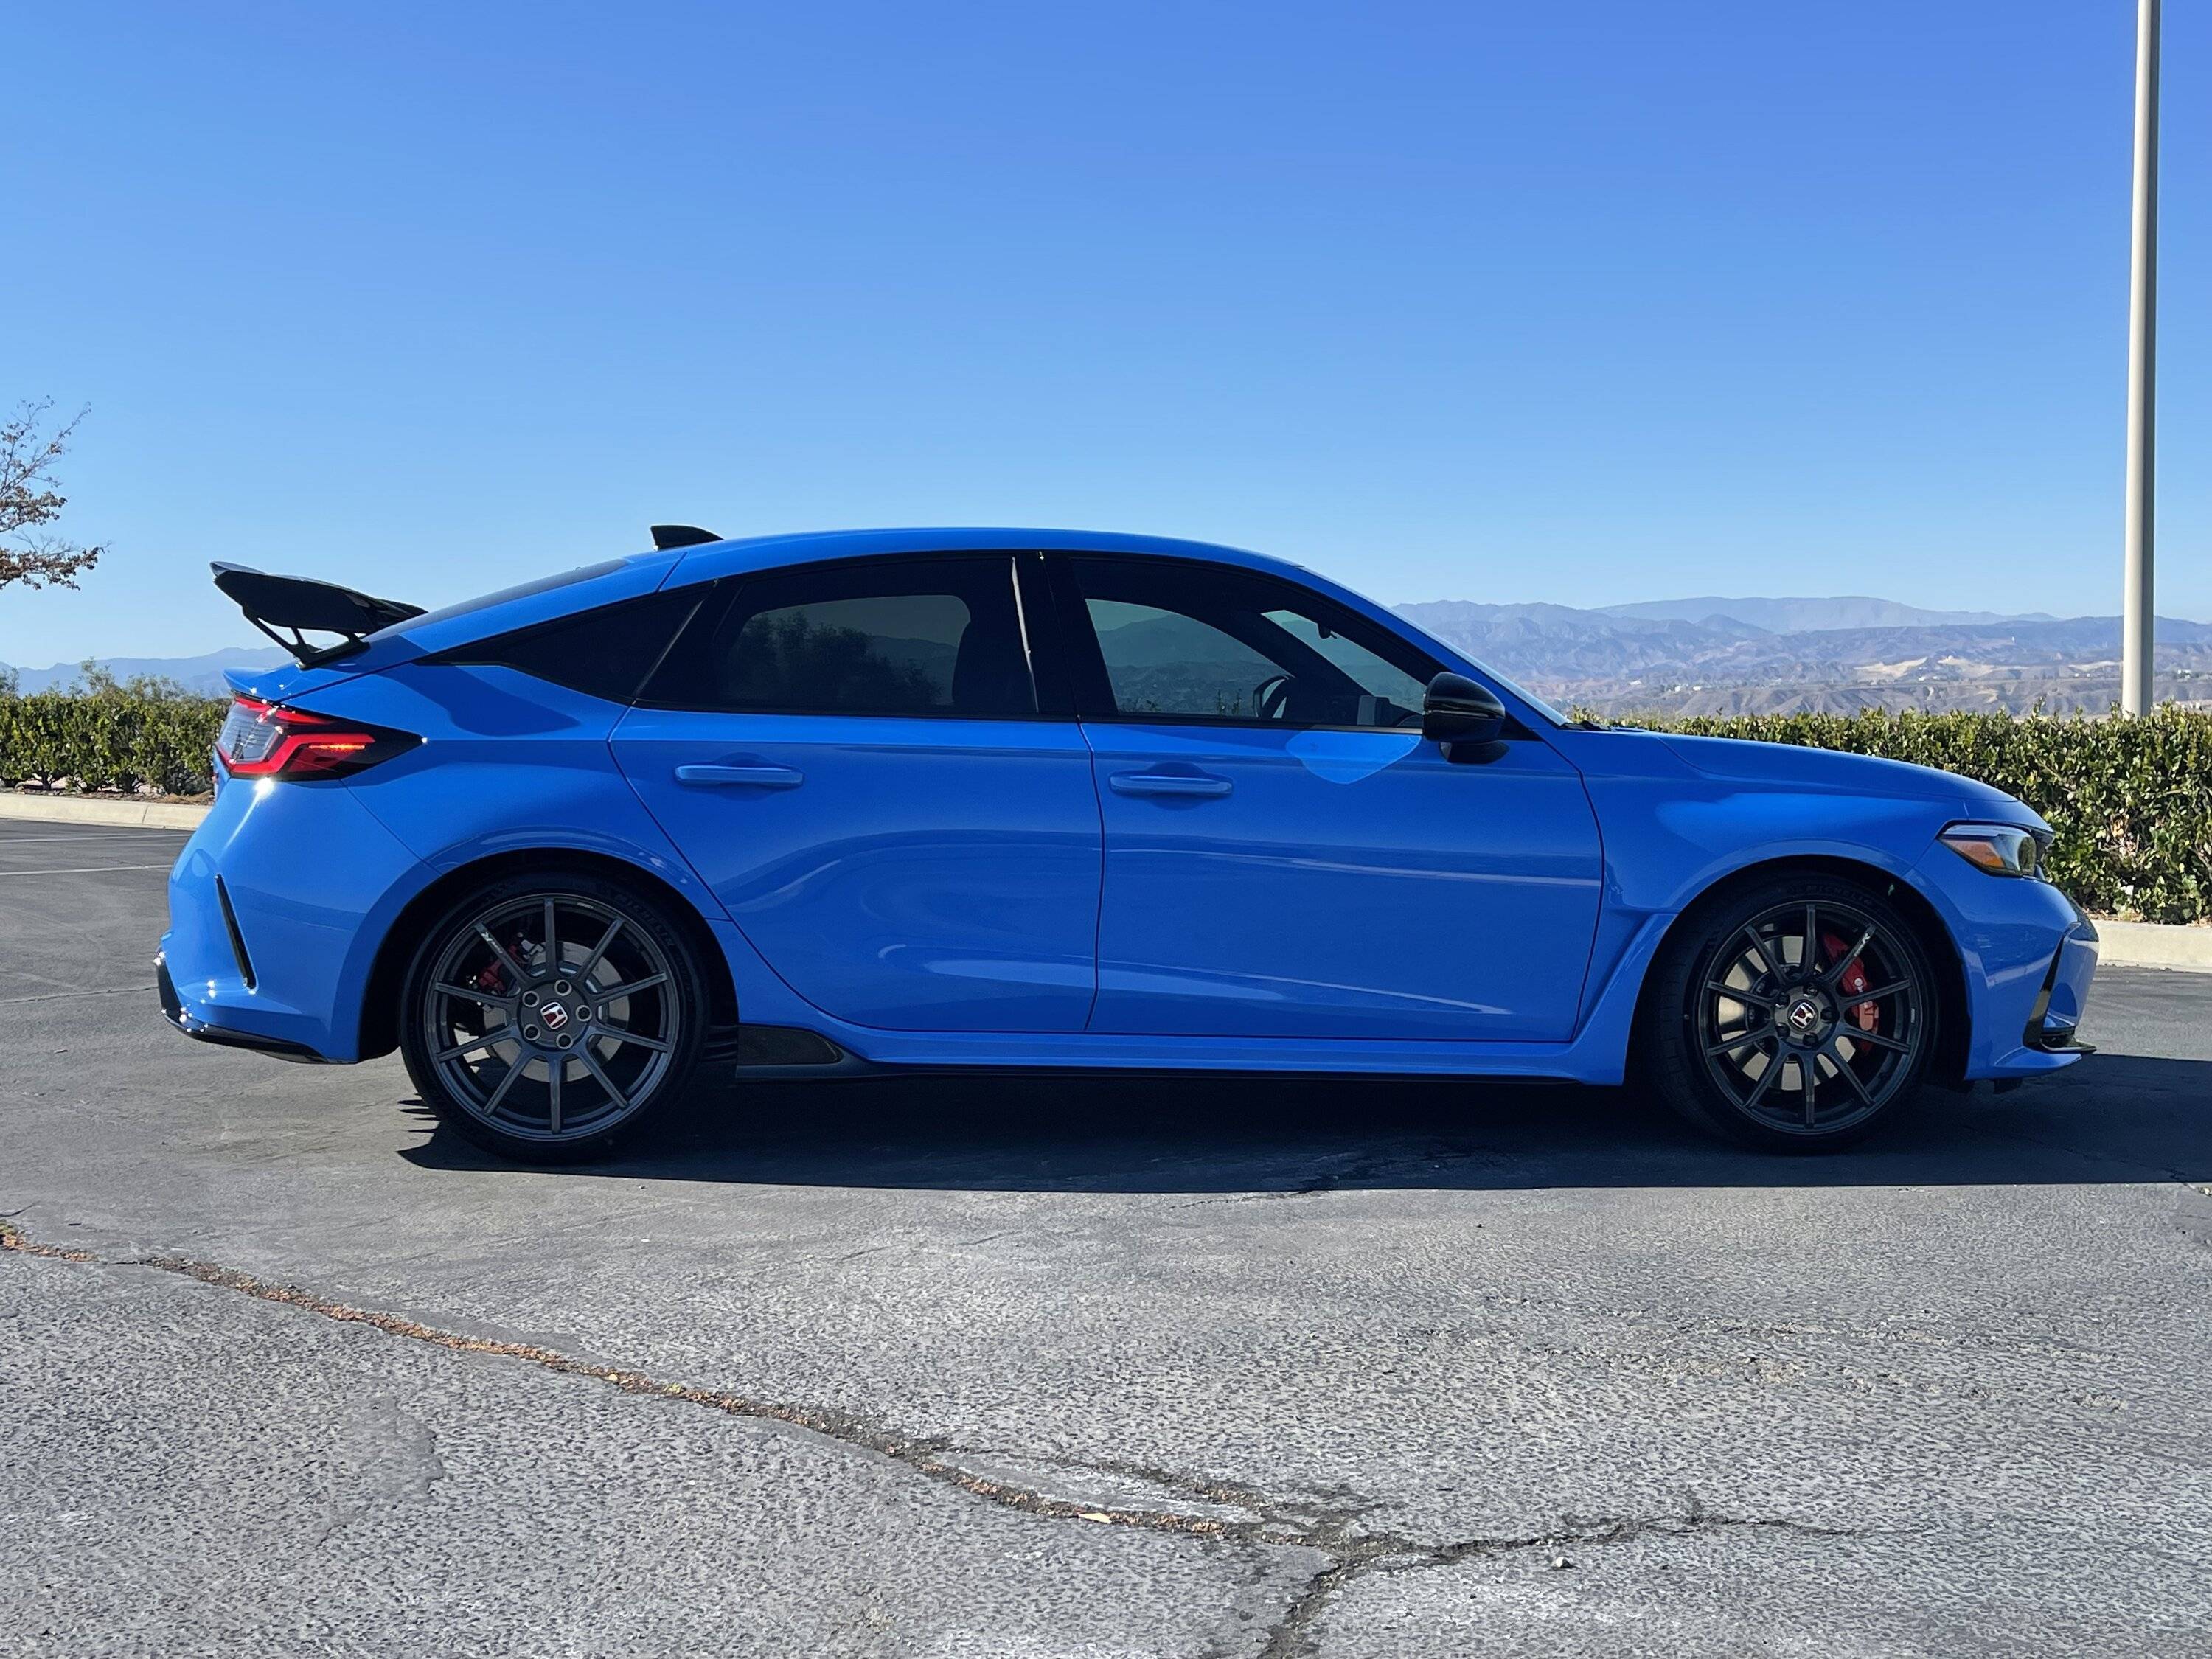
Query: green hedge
point(111, 736)
point(2131, 799)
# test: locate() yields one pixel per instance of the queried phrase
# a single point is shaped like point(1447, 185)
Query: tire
point(1739, 1038)
point(552, 1061)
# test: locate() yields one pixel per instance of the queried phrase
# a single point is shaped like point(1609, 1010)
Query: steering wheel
point(1271, 694)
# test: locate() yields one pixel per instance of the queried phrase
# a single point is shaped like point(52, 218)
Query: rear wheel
point(1795, 1015)
point(544, 1016)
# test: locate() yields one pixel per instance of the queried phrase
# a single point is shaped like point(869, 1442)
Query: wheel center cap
point(556, 1016)
point(1804, 1017)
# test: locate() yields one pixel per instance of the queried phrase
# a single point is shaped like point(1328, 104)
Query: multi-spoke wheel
point(542, 1015)
point(1793, 1014)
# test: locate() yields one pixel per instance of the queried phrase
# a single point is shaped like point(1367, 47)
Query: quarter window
point(606, 651)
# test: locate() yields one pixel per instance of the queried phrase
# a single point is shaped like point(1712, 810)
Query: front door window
point(1206, 643)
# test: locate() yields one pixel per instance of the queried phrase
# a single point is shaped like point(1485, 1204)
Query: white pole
point(2136, 626)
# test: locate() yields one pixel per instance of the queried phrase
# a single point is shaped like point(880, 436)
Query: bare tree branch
point(30, 498)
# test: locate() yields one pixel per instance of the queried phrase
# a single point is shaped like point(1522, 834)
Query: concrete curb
point(2121, 944)
point(93, 809)
point(2154, 944)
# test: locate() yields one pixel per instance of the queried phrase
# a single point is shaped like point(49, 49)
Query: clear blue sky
point(1583, 303)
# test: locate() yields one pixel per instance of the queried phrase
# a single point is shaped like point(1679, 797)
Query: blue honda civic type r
point(1019, 797)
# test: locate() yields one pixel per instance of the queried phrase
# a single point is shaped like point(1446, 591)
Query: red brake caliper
point(1853, 981)
point(493, 976)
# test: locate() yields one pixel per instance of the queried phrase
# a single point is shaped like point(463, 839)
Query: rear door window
point(940, 637)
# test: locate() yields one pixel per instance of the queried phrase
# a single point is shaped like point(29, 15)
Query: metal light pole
point(2136, 627)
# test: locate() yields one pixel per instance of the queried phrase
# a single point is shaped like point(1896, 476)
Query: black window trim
point(710, 616)
point(1094, 687)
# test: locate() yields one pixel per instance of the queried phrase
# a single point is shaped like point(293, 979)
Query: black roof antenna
point(665, 536)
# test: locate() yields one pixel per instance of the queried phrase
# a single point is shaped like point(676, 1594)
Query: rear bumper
point(276, 906)
point(182, 1019)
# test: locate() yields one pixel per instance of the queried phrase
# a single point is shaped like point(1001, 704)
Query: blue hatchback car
point(964, 797)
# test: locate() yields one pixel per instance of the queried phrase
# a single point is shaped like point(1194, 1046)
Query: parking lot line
point(26, 840)
point(83, 870)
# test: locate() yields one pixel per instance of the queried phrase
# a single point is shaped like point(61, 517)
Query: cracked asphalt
point(1078, 1366)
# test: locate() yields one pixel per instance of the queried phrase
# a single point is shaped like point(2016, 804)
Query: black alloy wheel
point(544, 1016)
point(1792, 1016)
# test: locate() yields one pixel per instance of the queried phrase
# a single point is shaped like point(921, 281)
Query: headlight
point(2002, 850)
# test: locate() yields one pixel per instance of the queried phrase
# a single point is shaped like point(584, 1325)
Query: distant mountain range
point(1810, 616)
point(1709, 655)
point(202, 674)
point(1839, 655)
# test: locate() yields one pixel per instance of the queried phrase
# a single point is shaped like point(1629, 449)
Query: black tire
point(552, 1058)
point(1740, 1039)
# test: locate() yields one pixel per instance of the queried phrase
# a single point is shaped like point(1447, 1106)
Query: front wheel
point(545, 1015)
point(1795, 1015)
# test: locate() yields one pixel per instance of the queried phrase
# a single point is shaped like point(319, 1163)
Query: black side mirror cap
point(1457, 709)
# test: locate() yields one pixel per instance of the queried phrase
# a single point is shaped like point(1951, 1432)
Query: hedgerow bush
point(109, 734)
point(2131, 799)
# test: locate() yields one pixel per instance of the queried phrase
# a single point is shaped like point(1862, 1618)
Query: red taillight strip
point(295, 751)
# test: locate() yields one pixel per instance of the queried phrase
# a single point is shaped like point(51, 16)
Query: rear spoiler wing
point(302, 606)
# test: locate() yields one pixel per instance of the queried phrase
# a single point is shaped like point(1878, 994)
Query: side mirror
point(1458, 710)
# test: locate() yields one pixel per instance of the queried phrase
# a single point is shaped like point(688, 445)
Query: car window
point(1387, 684)
point(606, 651)
point(908, 636)
point(1163, 662)
point(1188, 641)
point(520, 590)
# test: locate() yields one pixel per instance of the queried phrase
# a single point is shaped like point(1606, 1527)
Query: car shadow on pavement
point(2116, 1118)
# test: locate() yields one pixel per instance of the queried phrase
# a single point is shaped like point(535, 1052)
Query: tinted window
point(1196, 642)
point(910, 637)
point(520, 590)
point(606, 651)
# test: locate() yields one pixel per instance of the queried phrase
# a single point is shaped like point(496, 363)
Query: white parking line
point(25, 841)
point(87, 870)
point(62, 996)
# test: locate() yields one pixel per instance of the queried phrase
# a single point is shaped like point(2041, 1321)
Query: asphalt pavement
point(1026, 1365)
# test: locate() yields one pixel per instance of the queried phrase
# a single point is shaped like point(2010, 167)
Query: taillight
point(268, 740)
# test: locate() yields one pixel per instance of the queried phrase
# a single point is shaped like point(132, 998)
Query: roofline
point(740, 554)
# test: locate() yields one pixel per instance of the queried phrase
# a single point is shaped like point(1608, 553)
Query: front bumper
point(2056, 1013)
point(2029, 954)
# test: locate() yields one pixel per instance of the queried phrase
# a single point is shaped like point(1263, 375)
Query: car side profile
point(968, 797)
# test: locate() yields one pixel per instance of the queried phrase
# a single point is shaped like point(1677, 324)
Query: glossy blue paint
point(308, 870)
point(908, 873)
point(2007, 933)
point(1057, 891)
point(1355, 883)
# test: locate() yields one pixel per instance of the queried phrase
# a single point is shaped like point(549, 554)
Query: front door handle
point(755, 776)
point(1167, 783)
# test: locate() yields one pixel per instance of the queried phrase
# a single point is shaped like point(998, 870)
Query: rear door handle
point(755, 776)
point(1167, 783)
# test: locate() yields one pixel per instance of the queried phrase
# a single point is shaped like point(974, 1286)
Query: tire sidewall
point(647, 914)
point(1674, 1063)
